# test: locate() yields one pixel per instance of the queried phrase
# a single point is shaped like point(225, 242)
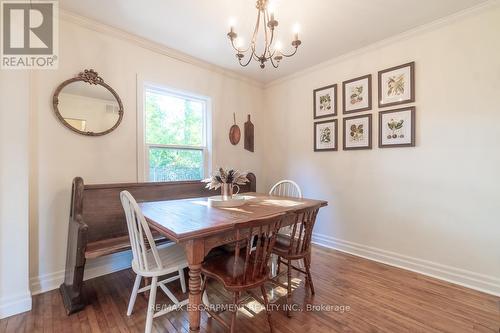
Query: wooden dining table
point(198, 227)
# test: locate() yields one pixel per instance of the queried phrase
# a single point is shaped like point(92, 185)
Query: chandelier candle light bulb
point(231, 34)
point(271, 8)
point(273, 53)
point(296, 30)
point(277, 50)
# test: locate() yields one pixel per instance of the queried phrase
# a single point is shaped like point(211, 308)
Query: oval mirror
point(88, 106)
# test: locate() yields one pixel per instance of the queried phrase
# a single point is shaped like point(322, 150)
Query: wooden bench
point(97, 225)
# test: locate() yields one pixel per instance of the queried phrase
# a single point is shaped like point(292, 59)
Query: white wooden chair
point(285, 188)
point(151, 262)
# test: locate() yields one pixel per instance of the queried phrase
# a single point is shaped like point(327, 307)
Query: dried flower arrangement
point(225, 176)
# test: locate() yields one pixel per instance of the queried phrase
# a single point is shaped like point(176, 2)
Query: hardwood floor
point(371, 297)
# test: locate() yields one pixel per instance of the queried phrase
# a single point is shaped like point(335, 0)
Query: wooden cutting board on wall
point(249, 138)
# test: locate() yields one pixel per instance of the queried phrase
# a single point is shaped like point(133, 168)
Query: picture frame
point(396, 85)
point(357, 94)
point(397, 128)
point(357, 132)
point(326, 135)
point(325, 102)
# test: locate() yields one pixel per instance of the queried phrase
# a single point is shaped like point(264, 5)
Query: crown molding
point(428, 27)
point(145, 43)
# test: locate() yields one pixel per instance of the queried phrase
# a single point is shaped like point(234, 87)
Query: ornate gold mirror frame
point(91, 77)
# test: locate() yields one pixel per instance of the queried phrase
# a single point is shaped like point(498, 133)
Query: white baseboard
point(13, 305)
point(93, 268)
point(480, 282)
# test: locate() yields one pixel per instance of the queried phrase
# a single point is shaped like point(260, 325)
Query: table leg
point(195, 255)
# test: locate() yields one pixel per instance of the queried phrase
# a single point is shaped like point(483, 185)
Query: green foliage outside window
point(172, 120)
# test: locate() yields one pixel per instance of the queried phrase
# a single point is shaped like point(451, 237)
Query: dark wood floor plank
point(381, 299)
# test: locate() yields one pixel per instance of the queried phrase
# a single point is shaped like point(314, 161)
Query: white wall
point(60, 155)
point(432, 208)
point(14, 162)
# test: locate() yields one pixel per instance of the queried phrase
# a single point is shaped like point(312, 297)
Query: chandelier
point(272, 52)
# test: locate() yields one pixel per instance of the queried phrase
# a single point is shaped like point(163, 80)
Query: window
point(175, 136)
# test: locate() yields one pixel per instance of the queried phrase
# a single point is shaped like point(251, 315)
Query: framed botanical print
point(357, 94)
point(325, 101)
point(397, 128)
point(325, 135)
point(358, 132)
point(396, 85)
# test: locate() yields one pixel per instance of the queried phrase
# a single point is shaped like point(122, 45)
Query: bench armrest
point(77, 243)
point(75, 264)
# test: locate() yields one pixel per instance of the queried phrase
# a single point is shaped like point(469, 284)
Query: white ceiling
point(329, 28)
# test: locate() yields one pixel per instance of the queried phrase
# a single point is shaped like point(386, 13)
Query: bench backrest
point(102, 211)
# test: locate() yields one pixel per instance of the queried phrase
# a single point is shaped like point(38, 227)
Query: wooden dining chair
point(296, 246)
point(286, 188)
point(247, 267)
point(150, 261)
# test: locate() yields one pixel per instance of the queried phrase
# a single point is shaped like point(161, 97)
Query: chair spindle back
point(301, 232)
point(251, 260)
point(286, 188)
point(140, 235)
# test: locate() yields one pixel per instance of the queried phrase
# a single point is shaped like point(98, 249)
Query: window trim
point(143, 147)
